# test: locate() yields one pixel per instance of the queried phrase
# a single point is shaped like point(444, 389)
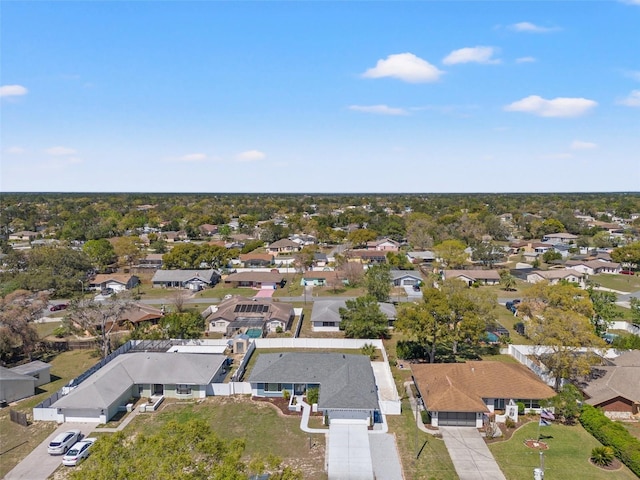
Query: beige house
point(485, 277)
point(556, 276)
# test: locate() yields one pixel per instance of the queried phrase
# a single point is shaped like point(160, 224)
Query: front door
point(299, 388)
point(158, 389)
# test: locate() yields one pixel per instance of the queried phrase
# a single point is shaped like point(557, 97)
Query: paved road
point(38, 465)
point(470, 455)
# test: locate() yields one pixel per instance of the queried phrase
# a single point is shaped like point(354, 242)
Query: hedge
point(614, 435)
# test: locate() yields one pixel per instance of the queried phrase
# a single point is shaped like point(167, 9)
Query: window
point(272, 387)
point(328, 324)
point(182, 389)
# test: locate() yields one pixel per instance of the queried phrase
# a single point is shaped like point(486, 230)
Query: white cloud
point(526, 60)
point(471, 55)
point(12, 91)
point(406, 67)
point(634, 74)
point(631, 100)
point(631, 2)
point(60, 151)
point(557, 107)
point(378, 109)
point(250, 156)
point(192, 157)
point(15, 150)
point(580, 145)
point(529, 27)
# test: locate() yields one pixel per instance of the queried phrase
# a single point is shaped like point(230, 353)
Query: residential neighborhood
point(341, 334)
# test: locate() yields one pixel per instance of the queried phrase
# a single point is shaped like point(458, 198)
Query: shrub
point(279, 329)
point(509, 423)
point(369, 350)
point(602, 456)
point(286, 394)
point(312, 395)
point(614, 435)
point(520, 408)
point(426, 418)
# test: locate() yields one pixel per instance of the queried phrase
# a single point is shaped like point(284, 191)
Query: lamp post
point(82, 284)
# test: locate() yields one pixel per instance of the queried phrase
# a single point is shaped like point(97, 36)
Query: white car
point(63, 441)
point(79, 451)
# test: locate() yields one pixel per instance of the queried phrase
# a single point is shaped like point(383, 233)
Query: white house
point(555, 276)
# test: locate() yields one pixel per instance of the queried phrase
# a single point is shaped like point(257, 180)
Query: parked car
point(59, 306)
point(79, 451)
point(105, 292)
point(62, 442)
point(416, 287)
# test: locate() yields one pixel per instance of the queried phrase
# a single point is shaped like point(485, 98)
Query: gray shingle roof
point(105, 386)
point(346, 381)
point(329, 310)
point(184, 275)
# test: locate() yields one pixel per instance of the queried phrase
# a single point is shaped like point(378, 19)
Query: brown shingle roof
point(267, 257)
point(116, 277)
point(461, 387)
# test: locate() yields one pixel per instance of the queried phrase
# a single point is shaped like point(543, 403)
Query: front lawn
point(622, 283)
point(567, 456)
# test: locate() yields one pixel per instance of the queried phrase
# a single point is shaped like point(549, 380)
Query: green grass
point(623, 283)
point(18, 441)
point(263, 428)
point(46, 329)
point(567, 456)
point(633, 427)
point(433, 462)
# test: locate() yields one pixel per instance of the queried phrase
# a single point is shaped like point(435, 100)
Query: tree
point(551, 255)
point(427, 322)
point(507, 280)
point(378, 282)
point(604, 309)
point(418, 231)
point(567, 404)
point(487, 253)
point(215, 256)
point(184, 255)
point(627, 255)
point(128, 250)
point(360, 237)
point(561, 335)
point(398, 260)
point(100, 318)
point(182, 325)
point(18, 311)
point(634, 304)
point(550, 225)
point(224, 231)
point(100, 252)
point(362, 318)
point(451, 253)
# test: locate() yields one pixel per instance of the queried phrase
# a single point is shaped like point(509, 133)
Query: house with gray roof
point(192, 279)
point(347, 387)
point(37, 369)
point(136, 375)
point(325, 315)
point(15, 386)
point(402, 278)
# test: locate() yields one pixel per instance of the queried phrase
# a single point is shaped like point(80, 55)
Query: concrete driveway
point(38, 465)
point(470, 455)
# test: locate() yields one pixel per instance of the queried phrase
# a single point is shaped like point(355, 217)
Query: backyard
point(567, 455)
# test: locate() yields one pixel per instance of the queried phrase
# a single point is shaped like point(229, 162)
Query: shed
point(41, 371)
point(15, 386)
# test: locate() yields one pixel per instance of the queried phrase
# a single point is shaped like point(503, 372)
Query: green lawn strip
point(622, 283)
point(46, 329)
point(16, 441)
point(508, 320)
point(500, 358)
point(265, 431)
point(434, 461)
point(567, 456)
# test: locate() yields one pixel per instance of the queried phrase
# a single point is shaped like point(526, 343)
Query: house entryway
point(158, 389)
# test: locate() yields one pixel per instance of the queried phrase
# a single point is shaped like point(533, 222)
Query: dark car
point(416, 288)
point(59, 306)
point(107, 291)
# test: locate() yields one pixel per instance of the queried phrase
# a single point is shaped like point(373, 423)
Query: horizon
point(248, 97)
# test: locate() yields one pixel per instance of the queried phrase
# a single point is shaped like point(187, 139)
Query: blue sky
point(421, 96)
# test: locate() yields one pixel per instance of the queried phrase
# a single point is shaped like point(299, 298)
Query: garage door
point(456, 419)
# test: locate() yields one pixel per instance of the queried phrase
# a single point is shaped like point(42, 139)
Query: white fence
point(231, 388)
point(629, 327)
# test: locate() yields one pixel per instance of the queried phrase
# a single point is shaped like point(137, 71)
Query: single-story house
point(318, 279)
point(24, 236)
point(191, 279)
point(284, 246)
point(240, 315)
point(485, 277)
point(119, 282)
point(593, 267)
point(347, 386)
point(37, 369)
point(15, 386)
point(208, 229)
point(152, 260)
point(256, 260)
point(172, 237)
point(421, 257)
point(463, 394)
point(383, 245)
point(555, 276)
point(320, 259)
point(615, 387)
point(138, 313)
point(136, 375)
point(325, 315)
point(270, 280)
point(563, 237)
point(368, 256)
point(401, 278)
